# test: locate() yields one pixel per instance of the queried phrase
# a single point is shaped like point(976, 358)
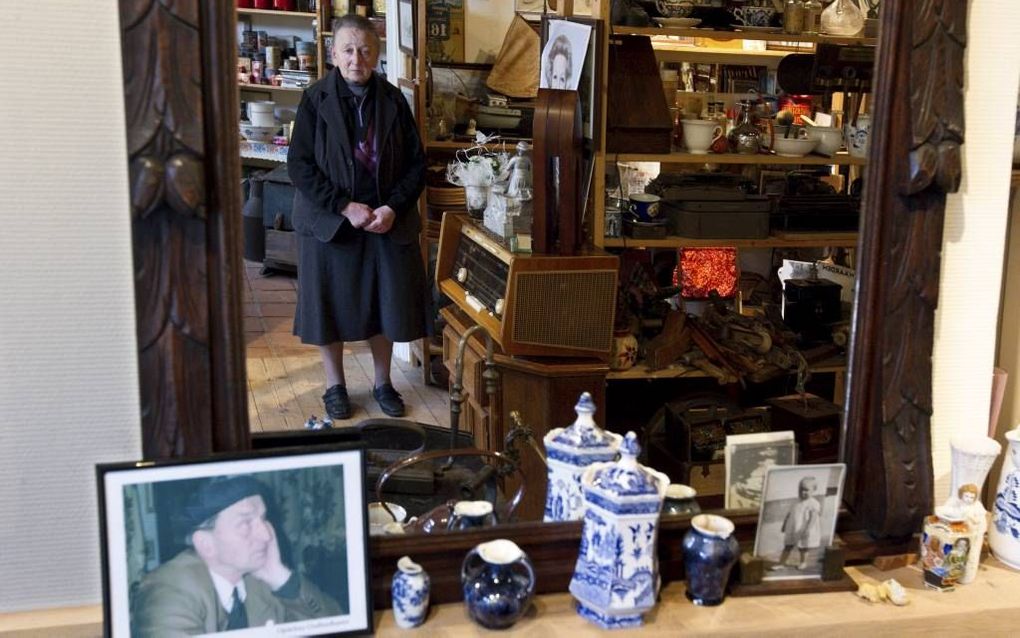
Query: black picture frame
point(407, 31)
point(315, 512)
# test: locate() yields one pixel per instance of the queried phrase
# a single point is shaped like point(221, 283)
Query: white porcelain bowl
point(793, 146)
point(258, 133)
point(830, 139)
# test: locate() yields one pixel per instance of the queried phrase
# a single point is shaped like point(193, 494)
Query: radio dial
point(462, 274)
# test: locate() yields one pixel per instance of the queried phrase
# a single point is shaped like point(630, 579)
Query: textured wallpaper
point(68, 371)
point(974, 240)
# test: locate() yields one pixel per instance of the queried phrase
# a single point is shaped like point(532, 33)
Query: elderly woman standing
point(358, 167)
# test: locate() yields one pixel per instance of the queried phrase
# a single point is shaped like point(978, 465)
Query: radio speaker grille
point(571, 309)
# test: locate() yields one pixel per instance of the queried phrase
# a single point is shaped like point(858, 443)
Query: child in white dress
point(802, 527)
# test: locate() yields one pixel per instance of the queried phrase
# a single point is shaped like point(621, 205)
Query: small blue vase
point(498, 581)
point(410, 591)
point(710, 551)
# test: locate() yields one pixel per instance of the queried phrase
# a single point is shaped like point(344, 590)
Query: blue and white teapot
point(616, 578)
point(569, 452)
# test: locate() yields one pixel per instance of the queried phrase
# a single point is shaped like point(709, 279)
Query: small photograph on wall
point(797, 519)
point(563, 56)
point(532, 9)
point(748, 459)
point(272, 543)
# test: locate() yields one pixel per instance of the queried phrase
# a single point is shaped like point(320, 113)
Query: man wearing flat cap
point(231, 576)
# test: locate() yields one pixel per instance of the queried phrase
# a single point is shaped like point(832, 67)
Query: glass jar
point(793, 17)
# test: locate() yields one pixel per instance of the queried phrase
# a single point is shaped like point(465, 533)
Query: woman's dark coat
point(353, 284)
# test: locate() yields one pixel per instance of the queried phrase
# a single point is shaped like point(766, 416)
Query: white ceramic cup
point(262, 113)
point(699, 135)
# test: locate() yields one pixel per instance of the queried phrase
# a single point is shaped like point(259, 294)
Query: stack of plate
point(446, 196)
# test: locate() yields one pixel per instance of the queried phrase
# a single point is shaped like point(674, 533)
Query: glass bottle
point(812, 16)
point(745, 138)
point(842, 17)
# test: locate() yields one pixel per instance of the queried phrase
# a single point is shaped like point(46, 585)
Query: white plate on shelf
point(744, 27)
point(678, 23)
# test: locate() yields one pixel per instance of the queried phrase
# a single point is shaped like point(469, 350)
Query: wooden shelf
point(839, 159)
point(305, 15)
point(680, 371)
point(744, 35)
point(776, 240)
point(464, 66)
point(267, 87)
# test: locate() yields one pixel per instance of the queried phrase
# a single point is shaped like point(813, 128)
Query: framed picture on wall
point(406, 19)
point(271, 539)
point(410, 92)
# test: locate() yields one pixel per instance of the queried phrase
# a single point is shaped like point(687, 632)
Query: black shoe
point(389, 400)
point(338, 404)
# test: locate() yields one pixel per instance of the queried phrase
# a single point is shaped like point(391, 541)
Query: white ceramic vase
point(972, 458)
point(1004, 534)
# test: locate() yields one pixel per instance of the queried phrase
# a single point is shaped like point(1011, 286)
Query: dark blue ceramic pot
point(498, 582)
point(710, 551)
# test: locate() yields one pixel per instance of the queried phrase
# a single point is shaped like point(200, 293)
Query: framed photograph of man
point(273, 542)
point(797, 519)
point(748, 458)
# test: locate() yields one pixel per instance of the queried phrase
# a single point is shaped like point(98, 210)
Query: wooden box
point(637, 118)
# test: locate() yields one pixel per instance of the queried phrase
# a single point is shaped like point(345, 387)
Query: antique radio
point(535, 305)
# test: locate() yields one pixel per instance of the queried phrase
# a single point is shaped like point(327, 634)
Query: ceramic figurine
point(972, 458)
point(410, 591)
point(569, 452)
point(710, 552)
point(498, 581)
point(681, 501)
point(945, 548)
point(1004, 534)
point(471, 514)
point(616, 578)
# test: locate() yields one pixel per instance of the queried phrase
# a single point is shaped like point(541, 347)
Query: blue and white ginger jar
point(616, 578)
point(410, 591)
point(1004, 533)
point(569, 452)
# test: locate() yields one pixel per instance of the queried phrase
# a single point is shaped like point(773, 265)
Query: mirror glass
point(754, 365)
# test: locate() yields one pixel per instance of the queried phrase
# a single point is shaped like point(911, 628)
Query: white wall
point(972, 257)
point(485, 25)
point(68, 369)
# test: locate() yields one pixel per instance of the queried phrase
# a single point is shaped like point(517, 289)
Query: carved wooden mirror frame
point(182, 105)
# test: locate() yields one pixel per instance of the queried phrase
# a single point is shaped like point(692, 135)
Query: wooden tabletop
point(987, 607)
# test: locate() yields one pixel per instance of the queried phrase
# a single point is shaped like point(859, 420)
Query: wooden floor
point(285, 377)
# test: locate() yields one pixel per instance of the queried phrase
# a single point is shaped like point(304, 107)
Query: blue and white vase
point(616, 578)
point(410, 591)
point(1004, 533)
point(499, 582)
point(710, 552)
point(569, 452)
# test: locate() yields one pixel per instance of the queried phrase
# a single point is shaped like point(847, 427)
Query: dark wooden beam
point(181, 110)
point(914, 160)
